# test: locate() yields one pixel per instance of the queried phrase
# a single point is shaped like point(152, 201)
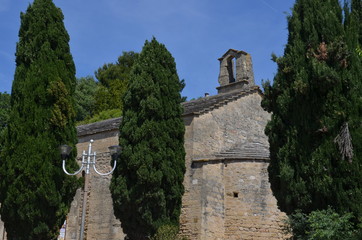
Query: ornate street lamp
point(88, 160)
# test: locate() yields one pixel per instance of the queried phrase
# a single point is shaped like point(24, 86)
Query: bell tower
point(236, 71)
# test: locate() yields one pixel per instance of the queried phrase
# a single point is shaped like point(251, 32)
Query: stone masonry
point(2, 231)
point(101, 224)
point(227, 192)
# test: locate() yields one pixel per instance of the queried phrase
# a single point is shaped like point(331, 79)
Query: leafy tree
point(147, 185)
point(35, 193)
point(85, 97)
point(4, 115)
point(315, 130)
point(322, 224)
point(100, 100)
point(113, 80)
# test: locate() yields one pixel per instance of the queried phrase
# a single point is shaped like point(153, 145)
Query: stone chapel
point(227, 191)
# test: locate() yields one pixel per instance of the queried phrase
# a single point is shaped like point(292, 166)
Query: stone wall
point(101, 224)
point(228, 194)
point(250, 208)
point(2, 231)
point(233, 125)
point(234, 202)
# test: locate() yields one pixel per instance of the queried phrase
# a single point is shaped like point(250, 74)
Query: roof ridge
point(207, 104)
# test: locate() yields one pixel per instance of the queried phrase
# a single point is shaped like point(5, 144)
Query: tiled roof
point(248, 150)
point(194, 107)
point(206, 104)
point(97, 127)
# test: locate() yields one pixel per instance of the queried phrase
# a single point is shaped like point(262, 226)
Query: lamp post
point(88, 160)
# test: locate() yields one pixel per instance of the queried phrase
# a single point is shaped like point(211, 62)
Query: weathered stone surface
point(228, 195)
point(251, 211)
point(2, 231)
point(101, 224)
point(207, 104)
point(236, 124)
point(235, 67)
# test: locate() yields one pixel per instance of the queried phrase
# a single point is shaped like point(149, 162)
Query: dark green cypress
point(356, 11)
point(314, 99)
point(35, 193)
point(147, 185)
point(4, 115)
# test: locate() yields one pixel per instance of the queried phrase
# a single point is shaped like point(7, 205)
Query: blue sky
point(196, 32)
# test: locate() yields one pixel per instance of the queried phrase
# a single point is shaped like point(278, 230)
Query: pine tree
point(315, 128)
point(35, 193)
point(147, 185)
point(113, 81)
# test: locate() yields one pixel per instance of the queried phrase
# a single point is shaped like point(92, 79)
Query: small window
point(236, 194)
point(231, 69)
point(234, 68)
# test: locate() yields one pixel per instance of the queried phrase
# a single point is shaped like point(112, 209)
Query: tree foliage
point(35, 193)
point(104, 115)
point(147, 185)
point(322, 224)
point(113, 81)
point(85, 100)
point(316, 93)
point(167, 232)
point(4, 115)
point(100, 100)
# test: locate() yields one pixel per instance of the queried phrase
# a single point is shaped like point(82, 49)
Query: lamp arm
point(105, 174)
point(72, 174)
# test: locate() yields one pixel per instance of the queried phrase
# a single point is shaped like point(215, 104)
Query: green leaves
point(322, 224)
point(147, 185)
point(113, 82)
point(313, 94)
point(84, 98)
point(4, 116)
point(35, 193)
point(359, 51)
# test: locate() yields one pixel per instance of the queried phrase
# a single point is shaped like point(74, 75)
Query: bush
point(104, 115)
point(322, 225)
point(167, 232)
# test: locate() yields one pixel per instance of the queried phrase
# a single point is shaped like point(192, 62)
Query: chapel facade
point(227, 190)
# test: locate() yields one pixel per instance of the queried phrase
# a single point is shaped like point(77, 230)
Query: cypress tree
point(35, 193)
point(147, 184)
point(4, 115)
point(315, 100)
